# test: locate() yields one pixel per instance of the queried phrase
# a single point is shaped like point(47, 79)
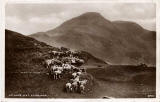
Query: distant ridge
point(117, 42)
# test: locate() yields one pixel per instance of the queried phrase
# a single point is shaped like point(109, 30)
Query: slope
point(25, 74)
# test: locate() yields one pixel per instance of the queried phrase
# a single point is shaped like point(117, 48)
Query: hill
point(117, 42)
point(25, 74)
point(23, 50)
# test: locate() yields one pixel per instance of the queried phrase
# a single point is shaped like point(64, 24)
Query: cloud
point(46, 20)
point(32, 18)
point(13, 23)
point(136, 11)
point(149, 24)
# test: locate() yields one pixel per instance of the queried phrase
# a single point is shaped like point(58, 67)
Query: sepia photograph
point(80, 50)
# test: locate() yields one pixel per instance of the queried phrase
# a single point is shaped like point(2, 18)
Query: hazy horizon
point(31, 18)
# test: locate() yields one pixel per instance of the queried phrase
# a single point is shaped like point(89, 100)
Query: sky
point(31, 18)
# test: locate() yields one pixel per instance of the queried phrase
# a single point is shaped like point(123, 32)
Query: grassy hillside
point(125, 81)
point(25, 74)
point(126, 73)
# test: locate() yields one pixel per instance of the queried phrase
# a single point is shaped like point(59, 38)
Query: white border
point(80, 1)
point(2, 47)
point(2, 53)
point(158, 49)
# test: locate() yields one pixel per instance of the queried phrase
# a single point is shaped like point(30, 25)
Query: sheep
point(57, 74)
point(48, 62)
point(77, 78)
point(74, 74)
point(57, 62)
point(61, 54)
point(69, 87)
point(73, 61)
point(75, 86)
point(72, 80)
point(55, 53)
point(83, 69)
point(75, 69)
point(66, 67)
point(79, 73)
point(83, 82)
point(81, 87)
point(52, 69)
point(75, 53)
point(60, 68)
point(65, 60)
point(67, 53)
point(81, 61)
point(63, 65)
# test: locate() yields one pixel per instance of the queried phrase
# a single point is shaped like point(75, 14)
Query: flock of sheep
point(63, 62)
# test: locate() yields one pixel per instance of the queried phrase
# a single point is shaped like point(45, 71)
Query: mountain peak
point(94, 33)
point(91, 14)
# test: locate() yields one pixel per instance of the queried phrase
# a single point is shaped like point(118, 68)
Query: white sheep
point(67, 67)
point(77, 78)
point(83, 82)
point(57, 74)
point(60, 68)
point(73, 60)
point(48, 62)
point(54, 52)
point(69, 87)
point(83, 69)
point(79, 73)
point(75, 68)
point(82, 87)
point(74, 74)
point(81, 60)
point(72, 80)
point(52, 69)
point(75, 86)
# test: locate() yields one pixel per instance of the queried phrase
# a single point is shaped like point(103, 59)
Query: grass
point(125, 74)
point(124, 81)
